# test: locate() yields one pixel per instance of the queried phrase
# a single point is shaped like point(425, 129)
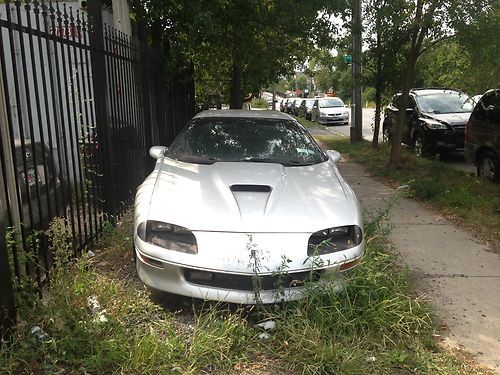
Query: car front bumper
point(325, 120)
point(236, 287)
point(445, 140)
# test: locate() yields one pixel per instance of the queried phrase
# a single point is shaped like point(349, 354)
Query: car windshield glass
point(210, 140)
point(445, 102)
point(330, 103)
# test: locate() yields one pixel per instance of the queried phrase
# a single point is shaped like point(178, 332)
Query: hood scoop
point(250, 188)
point(252, 200)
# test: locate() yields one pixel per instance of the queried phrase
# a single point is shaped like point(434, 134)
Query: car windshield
point(445, 102)
point(330, 103)
point(210, 140)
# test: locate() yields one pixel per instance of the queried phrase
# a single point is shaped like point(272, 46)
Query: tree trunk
point(422, 24)
point(236, 101)
point(378, 89)
point(378, 110)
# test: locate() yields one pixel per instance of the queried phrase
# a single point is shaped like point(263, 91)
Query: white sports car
point(245, 207)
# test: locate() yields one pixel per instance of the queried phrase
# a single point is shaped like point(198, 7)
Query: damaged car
point(245, 200)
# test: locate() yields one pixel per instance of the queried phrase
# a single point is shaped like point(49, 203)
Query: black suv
point(482, 136)
point(435, 119)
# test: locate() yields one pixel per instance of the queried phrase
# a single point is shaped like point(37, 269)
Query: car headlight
point(168, 236)
point(322, 114)
point(330, 240)
point(435, 125)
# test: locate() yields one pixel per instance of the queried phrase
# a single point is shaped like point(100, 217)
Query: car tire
point(488, 166)
point(419, 145)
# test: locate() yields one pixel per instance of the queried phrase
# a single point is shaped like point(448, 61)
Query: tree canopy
point(238, 47)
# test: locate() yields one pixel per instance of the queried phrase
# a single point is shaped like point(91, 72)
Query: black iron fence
point(80, 105)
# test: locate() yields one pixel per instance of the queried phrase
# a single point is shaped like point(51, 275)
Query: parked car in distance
point(482, 136)
point(305, 108)
point(289, 106)
point(328, 111)
point(39, 184)
point(233, 198)
point(295, 106)
point(435, 119)
point(283, 104)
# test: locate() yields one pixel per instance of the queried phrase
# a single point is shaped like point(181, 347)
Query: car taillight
point(467, 128)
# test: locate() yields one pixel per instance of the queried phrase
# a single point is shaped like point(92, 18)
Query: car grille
point(246, 282)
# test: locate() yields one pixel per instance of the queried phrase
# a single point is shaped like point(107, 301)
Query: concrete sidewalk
point(460, 276)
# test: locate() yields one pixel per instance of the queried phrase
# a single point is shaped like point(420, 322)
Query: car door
point(411, 121)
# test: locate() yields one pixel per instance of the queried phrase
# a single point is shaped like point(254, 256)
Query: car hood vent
point(251, 188)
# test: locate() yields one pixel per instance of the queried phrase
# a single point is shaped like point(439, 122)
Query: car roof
point(241, 113)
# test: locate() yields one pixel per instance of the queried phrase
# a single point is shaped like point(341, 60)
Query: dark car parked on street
point(295, 106)
point(39, 184)
point(305, 108)
point(283, 104)
point(482, 136)
point(435, 119)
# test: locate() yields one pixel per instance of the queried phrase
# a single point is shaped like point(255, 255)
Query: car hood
point(251, 197)
point(333, 110)
point(453, 119)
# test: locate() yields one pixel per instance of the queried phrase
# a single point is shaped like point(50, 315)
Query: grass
point(309, 124)
point(460, 196)
point(376, 325)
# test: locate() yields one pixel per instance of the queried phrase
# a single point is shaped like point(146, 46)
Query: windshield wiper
point(195, 159)
point(286, 163)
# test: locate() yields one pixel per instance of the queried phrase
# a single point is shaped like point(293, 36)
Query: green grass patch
point(260, 103)
point(309, 124)
point(457, 195)
point(375, 325)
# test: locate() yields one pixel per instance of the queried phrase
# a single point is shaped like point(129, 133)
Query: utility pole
point(356, 130)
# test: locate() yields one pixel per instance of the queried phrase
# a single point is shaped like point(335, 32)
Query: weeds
point(375, 325)
point(255, 257)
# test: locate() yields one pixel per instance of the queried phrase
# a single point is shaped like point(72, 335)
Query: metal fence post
point(98, 63)
point(7, 306)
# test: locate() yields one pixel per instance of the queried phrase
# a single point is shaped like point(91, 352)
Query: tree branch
point(437, 41)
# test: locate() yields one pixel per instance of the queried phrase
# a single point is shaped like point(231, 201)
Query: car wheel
point(419, 145)
point(488, 167)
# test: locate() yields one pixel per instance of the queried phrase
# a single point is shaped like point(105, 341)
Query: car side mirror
point(333, 155)
point(156, 152)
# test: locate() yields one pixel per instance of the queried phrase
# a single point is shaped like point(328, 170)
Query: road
point(456, 160)
point(368, 119)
